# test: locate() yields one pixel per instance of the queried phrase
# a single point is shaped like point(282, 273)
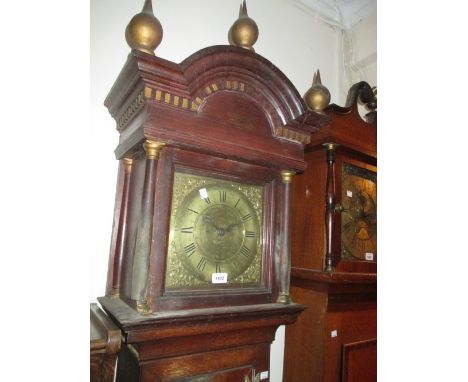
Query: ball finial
point(244, 31)
point(317, 97)
point(144, 31)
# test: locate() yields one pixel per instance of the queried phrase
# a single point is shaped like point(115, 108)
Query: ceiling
point(343, 12)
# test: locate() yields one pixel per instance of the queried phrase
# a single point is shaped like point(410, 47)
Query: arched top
point(216, 90)
point(236, 69)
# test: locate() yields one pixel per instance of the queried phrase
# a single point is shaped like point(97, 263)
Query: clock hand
point(209, 220)
point(231, 226)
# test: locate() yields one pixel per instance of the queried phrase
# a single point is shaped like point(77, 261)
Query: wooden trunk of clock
point(334, 250)
point(198, 277)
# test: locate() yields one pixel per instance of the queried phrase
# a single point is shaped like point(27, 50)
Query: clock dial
point(215, 229)
point(359, 215)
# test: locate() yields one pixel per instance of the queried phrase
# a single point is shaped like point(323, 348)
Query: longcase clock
point(334, 248)
point(198, 276)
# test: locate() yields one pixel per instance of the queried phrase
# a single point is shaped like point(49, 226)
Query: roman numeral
point(218, 268)
point(222, 196)
point(187, 230)
point(245, 251)
point(235, 266)
point(195, 212)
point(207, 200)
point(249, 234)
point(201, 264)
point(235, 205)
point(190, 249)
point(246, 217)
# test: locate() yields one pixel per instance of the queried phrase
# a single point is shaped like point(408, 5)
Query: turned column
point(120, 228)
point(145, 226)
point(285, 249)
point(330, 205)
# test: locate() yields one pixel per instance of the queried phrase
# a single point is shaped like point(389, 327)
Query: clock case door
point(176, 160)
point(355, 142)
point(223, 111)
point(367, 164)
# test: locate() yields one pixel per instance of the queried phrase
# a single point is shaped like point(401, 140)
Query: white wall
point(358, 50)
point(296, 41)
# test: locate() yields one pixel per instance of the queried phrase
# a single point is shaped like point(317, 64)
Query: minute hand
point(209, 220)
point(230, 226)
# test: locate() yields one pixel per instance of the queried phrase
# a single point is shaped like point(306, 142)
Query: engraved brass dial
point(216, 229)
point(359, 214)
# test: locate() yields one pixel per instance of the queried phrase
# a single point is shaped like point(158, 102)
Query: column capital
point(330, 145)
point(127, 162)
point(287, 175)
point(153, 148)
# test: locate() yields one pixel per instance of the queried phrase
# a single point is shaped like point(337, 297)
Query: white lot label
point(333, 333)
point(369, 256)
point(219, 278)
point(203, 193)
point(349, 193)
point(263, 375)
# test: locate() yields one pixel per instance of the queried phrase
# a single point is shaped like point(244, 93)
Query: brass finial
point(144, 31)
point(244, 31)
point(317, 97)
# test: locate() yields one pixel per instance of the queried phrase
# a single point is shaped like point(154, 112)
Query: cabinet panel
point(360, 361)
point(238, 375)
point(217, 366)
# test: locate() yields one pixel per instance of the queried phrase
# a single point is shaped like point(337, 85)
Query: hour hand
point(207, 219)
point(231, 226)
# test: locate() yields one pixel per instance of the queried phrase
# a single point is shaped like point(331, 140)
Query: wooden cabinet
point(105, 342)
point(225, 119)
point(341, 312)
point(334, 250)
point(220, 344)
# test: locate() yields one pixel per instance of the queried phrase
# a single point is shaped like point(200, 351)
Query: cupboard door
point(360, 361)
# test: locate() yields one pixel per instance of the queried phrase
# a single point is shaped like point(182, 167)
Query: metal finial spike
point(314, 80)
point(243, 9)
point(244, 31)
point(319, 80)
point(144, 31)
point(317, 97)
point(148, 7)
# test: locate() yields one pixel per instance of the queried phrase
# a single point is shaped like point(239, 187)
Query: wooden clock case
point(335, 338)
point(224, 111)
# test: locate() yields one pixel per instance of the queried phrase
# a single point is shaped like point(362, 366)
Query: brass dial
point(359, 214)
point(216, 229)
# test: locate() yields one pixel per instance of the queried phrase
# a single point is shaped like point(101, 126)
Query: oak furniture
point(105, 342)
point(334, 249)
point(198, 275)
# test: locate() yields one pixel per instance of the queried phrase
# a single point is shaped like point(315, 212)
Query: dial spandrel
point(359, 215)
point(216, 228)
